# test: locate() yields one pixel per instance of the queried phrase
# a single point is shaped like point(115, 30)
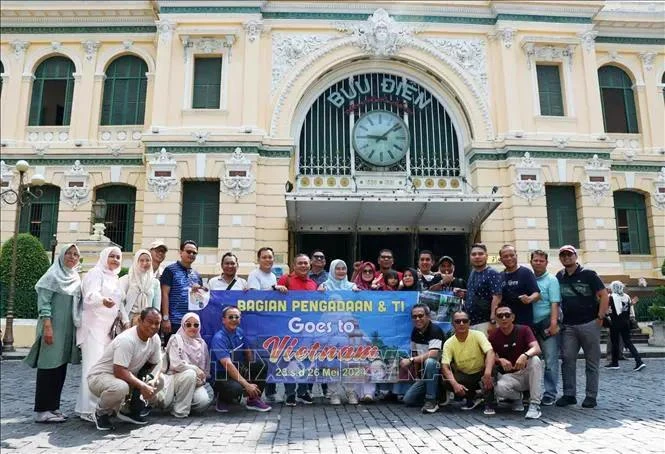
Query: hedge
point(32, 261)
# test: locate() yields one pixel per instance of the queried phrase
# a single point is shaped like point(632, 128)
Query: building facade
point(348, 126)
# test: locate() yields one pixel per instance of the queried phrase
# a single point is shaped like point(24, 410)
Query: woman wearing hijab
point(102, 298)
point(364, 280)
point(58, 290)
point(620, 304)
point(338, 278)
point(186, 365)
point(410, 281)
point(141, 289)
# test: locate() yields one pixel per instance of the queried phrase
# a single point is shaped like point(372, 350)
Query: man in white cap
point(158, 252)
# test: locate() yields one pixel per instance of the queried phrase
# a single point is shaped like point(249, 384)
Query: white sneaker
point(533, 412)
point(335, 400)
point(90, 417)
point(352, 397)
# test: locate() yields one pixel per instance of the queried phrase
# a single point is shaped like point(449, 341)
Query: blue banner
point(324, 337)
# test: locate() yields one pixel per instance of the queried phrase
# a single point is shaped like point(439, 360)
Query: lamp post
point(21, 196)
point(99, 215)
point(53, 244)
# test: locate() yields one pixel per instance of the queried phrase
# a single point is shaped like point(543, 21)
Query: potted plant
point(657, 311)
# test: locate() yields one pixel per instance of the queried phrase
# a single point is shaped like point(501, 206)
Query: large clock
point(380, 138)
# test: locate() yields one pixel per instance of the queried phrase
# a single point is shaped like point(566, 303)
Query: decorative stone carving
point(206, 45)
point(127, 44)
point(253, 29)
point(90, 48)
point(597, 185)
point(6, 173)
point(469, 54)
point(588, 39)
point(614, 56)
point(120, 133)
point(161, 174)
point(200, 136)
point(238, 180)
point(535, 52)
point(56, 45)
point(659, 192)
point(647, 59)
point(560, 142)
point(528, 182)
point(40, 148)
point(116, 149)
point(380, 35)
point(165, 30)
point(506, 35)
point(19, 47)
point(76, 189)
point(288, 48)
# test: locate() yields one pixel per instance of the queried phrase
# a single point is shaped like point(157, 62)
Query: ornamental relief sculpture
point(288, 48)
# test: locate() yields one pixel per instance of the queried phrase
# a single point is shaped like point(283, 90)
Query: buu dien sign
point(401, 88)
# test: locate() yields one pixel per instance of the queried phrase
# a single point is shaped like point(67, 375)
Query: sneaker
point(145, 412)
point(564, 401)
point(335, 400)
point(90, 417)
point(46, 417)
point(221, 406)
point(612, 366)
point(290, 400)
point(431, 406)
point(134, 418)
point(271, 398)
point(257, 405)
point(399, 397)
point(103, 422)
point(446, 399)
point(352, 398)
point(489, 410)
point(639, 366)
point(367, 399)
point(547, 401)
point(517, 405)
point(589, 402)
point(472, 403)
point(305, 399)
point(533, 412)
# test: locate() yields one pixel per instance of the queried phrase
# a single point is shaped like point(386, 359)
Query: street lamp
point(21, 196)
point(99, 215)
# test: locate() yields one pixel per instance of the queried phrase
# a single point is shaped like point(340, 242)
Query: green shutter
point(39, 217)
point(611, 77)
point(207, 83)
point(125, 92)
point(638, 231)
point(200, 212)
point(120, 207)
point(562, 216)
point(49, 76)
point(549, 90)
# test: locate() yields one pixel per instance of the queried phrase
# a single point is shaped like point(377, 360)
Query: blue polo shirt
point(481, 287)
point(226, 344)
point(180, 280)
point(549, 294)
point(579, 302)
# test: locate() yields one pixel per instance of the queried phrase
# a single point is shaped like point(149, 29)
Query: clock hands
point(382, 136)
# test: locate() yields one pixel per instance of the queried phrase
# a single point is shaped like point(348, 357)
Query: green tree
point(32, 261)
point(657, 308)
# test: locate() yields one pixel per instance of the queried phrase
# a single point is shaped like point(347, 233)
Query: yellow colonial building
point(344, 125)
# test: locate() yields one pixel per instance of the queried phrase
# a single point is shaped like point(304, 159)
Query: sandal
point(45, 417)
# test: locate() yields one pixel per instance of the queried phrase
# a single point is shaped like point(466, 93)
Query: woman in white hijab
point(141, 289)
point(620, 304)
point(186, 365)
point(102, 297)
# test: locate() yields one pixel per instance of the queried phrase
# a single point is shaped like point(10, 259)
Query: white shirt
point(219, 283)
point(260, 280)
point(128, 350)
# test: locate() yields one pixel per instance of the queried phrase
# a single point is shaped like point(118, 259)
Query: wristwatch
point(492, 322)
point(165, 318)
point(527, 355)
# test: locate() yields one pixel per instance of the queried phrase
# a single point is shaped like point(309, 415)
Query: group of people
point(509, 320)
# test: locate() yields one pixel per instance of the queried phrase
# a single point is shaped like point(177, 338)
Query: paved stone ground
point(630, 418)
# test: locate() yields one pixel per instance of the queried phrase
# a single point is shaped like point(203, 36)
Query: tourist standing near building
point(620, 307)
point(58, 292)
point(484, 290)
point(318, 272)
point(141, 289)
point(520, 289)
point(158, 252)
point(229, 279)
point(584, 301)
point(263, 278)
point(425, 264)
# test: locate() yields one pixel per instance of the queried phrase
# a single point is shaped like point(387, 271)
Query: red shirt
point(503, 345)
point(295, 282)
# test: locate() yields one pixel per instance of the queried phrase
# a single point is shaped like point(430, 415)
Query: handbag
point(117, 327)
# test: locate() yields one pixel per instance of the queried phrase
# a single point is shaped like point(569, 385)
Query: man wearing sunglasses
point(318, 272)
point(236, 369)
point(520, 369)
point(468, 360)
point(426, 343)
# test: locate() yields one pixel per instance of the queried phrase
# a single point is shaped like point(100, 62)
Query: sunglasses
point(233, 317)
point(461, 321)
point(367, 271)
point(504, 315)
point(189, 325)
point(318, 257)
point(417, 316)
point(386, 257)
point(566, 254)
point(192, 252)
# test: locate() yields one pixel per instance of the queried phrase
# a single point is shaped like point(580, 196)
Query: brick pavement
point(630, 418)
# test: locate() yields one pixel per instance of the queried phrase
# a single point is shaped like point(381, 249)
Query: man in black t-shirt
point(426, 344)
point(584, 302)
point(520, 288)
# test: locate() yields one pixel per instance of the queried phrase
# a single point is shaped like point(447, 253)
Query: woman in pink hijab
point(186, 367)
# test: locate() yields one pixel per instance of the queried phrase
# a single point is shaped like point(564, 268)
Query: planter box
point(657, 337)
point(24, 331)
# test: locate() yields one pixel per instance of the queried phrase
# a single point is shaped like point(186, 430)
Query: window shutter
point(36, 102)
point(638, 229)
point(125, 92)
point(549, 90)
point(562, 216)
point(207, 83)
point(40, 218)
point(120, 207)
point(200, 212)
point(617, 100)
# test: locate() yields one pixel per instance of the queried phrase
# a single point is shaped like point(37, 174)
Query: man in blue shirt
point(483, 293)
point(520, 289)
point(177, 281)
point(318, 271)
point(546, 323)
point(235, 371)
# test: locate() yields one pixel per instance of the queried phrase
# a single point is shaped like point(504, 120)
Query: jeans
point(427, 387)
point(587, 336)
point(290, 389)
point(551, 348)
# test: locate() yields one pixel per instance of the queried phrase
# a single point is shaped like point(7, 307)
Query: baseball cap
point(568, 248)
point(158, 243)
point(446, 258)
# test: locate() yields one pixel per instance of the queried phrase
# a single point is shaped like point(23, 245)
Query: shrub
point(657, 308)
point(32, 262)
point(124, 270)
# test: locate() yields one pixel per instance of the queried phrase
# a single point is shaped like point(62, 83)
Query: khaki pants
point(509, 386)
point(111, 392)
point(181, 395)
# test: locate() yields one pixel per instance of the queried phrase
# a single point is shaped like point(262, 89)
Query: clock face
point(380, 138)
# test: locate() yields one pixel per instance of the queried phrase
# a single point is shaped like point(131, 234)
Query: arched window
point(124, 92)
point(119, 220)
point(52, 93)
point(618, 100)
point(632, 227)
point(39, 217)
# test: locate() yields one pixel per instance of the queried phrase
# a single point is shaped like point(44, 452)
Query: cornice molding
point(175, 149)
point(630, 40)
point(69, 162)
point(58, 29)
point(503, 155)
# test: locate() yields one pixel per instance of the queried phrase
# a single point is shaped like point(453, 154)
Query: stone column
point(162, 79)
point(592, 90)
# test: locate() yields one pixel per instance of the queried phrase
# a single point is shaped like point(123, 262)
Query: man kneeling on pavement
point(125, 360)
point(519, 368)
